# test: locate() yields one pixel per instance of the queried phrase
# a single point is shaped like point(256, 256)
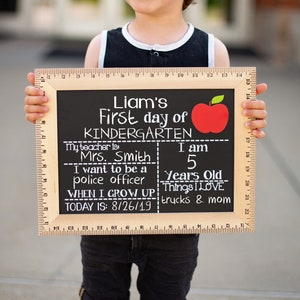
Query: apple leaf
point(217, 99)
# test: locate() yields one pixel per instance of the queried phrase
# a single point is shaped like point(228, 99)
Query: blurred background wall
point(268, 27)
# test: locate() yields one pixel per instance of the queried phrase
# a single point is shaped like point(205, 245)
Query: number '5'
point(191, 160)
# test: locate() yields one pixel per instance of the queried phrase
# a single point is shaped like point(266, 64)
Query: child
point(157, 37)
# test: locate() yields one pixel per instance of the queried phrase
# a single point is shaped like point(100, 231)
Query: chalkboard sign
point(145, 151)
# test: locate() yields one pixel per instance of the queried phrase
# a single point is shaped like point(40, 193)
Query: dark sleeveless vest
point(119, 51)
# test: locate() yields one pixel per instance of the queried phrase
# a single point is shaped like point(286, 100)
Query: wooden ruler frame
point(51, 222)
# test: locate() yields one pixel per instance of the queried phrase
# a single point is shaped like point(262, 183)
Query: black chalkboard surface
point(131, 151)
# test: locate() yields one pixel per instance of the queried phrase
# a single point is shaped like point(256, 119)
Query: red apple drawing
point(210, 118)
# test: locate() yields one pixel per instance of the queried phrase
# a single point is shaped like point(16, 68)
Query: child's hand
point(34, 101)
point(256, 110)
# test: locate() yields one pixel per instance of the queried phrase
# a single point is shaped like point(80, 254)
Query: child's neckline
point(157, 47)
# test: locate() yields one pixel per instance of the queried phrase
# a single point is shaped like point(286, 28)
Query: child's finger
point(36, 108)
point(31, 78)
point(261, 88)
point(35, 100)
point(255, 113)
point(258, 133)
point(32, 117)
point(256, 124)
point(33, 91)
point(257, 104)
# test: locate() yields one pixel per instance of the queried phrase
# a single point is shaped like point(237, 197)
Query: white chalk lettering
point(91, 156)
point(87, 180)
point(212, 174)
point(140, 103)
point(171, 175)
point(178, 187)
point(82, 193)
point(125, 179)
point(219, 200)
point(79, 207)
point(137, 156)
point(106, 116)
point(210, 186)
point(161, 119)
point(176, 200)
point(95, 170)
point(137, 134)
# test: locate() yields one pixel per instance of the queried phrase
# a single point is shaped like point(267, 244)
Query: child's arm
point(35, 99)
point(92, 53)
point(255, 110)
